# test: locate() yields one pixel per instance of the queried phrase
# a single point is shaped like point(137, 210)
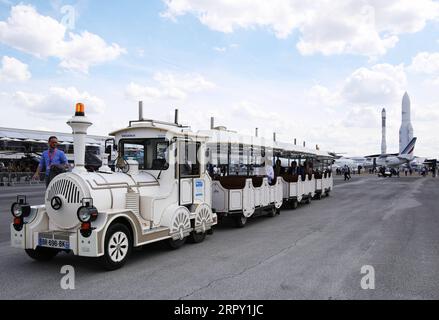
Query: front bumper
point(26, 238)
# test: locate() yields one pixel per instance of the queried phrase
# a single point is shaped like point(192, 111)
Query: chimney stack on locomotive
point(79, 124)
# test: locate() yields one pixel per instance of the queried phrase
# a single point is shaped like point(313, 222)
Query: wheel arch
point(122, 218)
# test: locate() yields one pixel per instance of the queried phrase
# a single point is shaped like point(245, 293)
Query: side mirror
point(108, 143)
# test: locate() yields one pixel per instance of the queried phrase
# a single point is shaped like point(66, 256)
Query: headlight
point(16, 210)
point(87, 214)
point(20, 208)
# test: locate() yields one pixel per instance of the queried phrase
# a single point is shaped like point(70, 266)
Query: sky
point(319, 71)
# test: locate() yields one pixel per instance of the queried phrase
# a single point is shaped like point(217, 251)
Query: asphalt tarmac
point(314, 252)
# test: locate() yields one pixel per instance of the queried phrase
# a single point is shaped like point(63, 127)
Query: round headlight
point(16, 210)
point(84, 214)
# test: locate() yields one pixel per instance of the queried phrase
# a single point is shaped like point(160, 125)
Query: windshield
point(151, 154)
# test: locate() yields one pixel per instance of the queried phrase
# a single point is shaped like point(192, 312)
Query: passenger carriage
point(240, 189)
point(323, 176)
point(311, 182)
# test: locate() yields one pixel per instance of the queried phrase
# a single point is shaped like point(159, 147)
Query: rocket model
point(383, 129)
point(406, 130)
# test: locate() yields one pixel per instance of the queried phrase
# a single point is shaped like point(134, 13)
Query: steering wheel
point(124, 167)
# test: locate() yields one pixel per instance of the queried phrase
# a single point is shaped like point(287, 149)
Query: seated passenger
point(269, 172)
point(210, 169)
point(301, 171)
point(292, 170)
point(278, 169)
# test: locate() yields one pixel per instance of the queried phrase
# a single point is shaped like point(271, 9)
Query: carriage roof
point(174, 130)
point(282, 148)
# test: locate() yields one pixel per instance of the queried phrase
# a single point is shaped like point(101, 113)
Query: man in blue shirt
point(51, 158)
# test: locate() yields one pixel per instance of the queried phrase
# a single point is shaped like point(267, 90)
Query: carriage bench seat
point(232, 182)
point(257, 181)
point(290, 177)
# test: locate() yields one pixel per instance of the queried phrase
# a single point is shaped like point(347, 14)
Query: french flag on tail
point(408, 151)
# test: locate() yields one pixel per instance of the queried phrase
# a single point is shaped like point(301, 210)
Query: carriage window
point(151, 154)
point(188, 160)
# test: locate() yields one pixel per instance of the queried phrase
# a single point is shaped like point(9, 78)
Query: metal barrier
point(19, 178)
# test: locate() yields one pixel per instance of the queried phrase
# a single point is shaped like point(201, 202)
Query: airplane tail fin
point(408, 150)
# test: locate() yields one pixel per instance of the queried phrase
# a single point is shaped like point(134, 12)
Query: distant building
point(22, 144)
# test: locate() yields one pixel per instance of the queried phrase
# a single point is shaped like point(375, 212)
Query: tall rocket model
point(406, 130)
point(383, 130)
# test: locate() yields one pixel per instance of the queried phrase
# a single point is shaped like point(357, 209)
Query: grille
point(132, 202)
point(67, 189)
point(57, 235)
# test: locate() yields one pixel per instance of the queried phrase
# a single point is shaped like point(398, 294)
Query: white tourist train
point(170, 184)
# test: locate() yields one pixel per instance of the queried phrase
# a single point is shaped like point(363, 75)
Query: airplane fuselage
point(391, 161)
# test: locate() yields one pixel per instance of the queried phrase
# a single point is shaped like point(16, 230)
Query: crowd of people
point(53, 162)
point(346, 171)
point(15, 172)
point(266, 169)
point(15, 167)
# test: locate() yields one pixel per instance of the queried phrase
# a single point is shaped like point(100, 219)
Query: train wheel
point(197, 237)
point(240, 221)
point(175, 244)
point(118, 245)
point(294, 204)
point(272, 212)
point(42, 254)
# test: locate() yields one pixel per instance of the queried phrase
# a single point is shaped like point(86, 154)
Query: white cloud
point(85, 50)
point(225, 48)
point(380, 84)
point(362, 117)
point(140, 53)
point(428, 113)
point(220, 49)
point(139, 92)
point(169, 86)
point(425, 62)
point(367, 27)
point(320, 95)
point(58, 102)
point(42, 36)
point(13, 70)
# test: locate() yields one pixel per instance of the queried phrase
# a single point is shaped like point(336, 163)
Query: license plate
point(53, 243)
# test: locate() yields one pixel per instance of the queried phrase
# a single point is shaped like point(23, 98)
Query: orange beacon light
point(79, 109)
